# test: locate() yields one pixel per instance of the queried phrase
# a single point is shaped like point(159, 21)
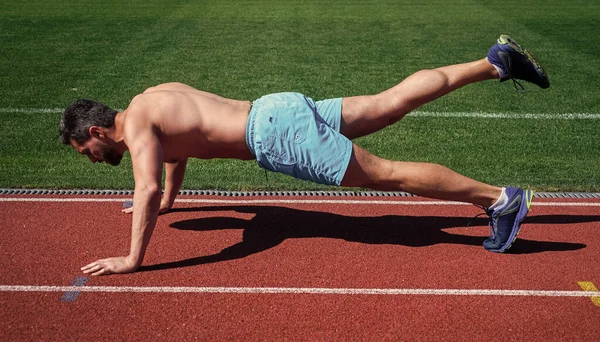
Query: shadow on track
point(271, 225)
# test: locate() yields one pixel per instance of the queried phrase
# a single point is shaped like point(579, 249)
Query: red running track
point(230, 243)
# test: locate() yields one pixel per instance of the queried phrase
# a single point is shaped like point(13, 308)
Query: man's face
point(98, 151)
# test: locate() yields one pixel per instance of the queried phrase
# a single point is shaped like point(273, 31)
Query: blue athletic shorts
point(292, 134)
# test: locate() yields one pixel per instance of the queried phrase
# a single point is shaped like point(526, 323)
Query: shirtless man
point(292, 134)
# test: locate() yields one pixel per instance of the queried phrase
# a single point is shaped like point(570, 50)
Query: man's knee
point(415, 90)
point(428, 83)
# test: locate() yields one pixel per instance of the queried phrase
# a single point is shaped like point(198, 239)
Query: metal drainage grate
point(269, 193)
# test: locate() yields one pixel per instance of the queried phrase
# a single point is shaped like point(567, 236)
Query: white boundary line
point(482, 115)
point(296, 290)
point(31, 110)
point(283, 201)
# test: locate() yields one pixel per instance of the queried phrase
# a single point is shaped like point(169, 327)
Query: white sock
point(501, 72)
point(502, 200)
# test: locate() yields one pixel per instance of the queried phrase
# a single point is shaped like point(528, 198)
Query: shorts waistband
point(250, 129)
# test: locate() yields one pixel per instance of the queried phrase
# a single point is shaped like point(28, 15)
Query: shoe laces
point(515, 83)
point(481, 214)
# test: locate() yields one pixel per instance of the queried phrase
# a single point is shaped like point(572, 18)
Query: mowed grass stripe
point(246, 51)
point(534, 116)
point(545, 155)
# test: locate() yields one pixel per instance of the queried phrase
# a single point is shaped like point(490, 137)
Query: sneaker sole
point(504, 39)
point(523, 210)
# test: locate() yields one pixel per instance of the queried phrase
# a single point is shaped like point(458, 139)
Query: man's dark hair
point(80, 116)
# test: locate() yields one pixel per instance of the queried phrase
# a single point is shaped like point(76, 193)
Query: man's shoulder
point(138, 117)
point(144, 104)
point(138, 107)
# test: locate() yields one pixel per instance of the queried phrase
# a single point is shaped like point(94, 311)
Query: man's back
point(192, 123)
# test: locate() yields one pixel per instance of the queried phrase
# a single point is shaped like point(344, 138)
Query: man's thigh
point(365, 169)
point(363, 115)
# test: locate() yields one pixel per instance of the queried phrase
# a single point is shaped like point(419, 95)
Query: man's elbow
point(150, 190)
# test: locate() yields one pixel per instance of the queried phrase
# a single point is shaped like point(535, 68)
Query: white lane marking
point(481, 115)
point(296, 290)
point(283, 201)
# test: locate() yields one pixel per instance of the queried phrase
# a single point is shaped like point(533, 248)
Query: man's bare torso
point(193, 124)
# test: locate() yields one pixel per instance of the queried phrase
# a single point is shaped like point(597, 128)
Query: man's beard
point(111, 156)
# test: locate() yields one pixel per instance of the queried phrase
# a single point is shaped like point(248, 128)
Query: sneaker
point(506, 221)
point(516, 63)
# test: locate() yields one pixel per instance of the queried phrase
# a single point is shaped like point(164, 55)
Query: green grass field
point(54, 52)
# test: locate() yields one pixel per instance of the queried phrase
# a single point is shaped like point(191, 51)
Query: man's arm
point(147, 161)
point(175, 173)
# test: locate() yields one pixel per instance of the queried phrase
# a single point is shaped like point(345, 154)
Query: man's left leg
point(423, 179)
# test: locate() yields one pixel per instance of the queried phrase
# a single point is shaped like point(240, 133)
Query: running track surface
point(298, 246)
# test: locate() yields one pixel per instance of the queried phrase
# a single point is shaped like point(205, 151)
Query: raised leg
point(423, 179)
point(362, 115)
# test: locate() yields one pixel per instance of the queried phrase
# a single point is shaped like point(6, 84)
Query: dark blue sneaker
point(506, 221)
point(516, 63)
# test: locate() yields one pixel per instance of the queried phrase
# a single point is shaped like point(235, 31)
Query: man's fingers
point(94, 268)
point(127, 207)
point(101, 272)
point(86, 267)
point(108, 266)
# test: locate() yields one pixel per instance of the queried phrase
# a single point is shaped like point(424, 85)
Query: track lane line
point(297, 290)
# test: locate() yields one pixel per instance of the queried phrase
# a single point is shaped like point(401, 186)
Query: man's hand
point(164, 207)
point(110, 266)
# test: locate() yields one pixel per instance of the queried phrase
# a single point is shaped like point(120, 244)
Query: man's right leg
point(363, 115)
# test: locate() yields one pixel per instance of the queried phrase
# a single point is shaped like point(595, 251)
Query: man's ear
point(96, 132)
